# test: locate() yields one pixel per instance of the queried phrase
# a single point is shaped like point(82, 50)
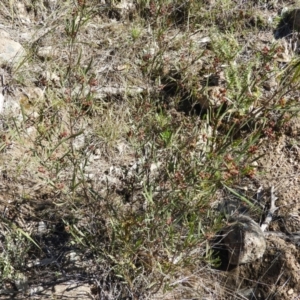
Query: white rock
point(79, 142)
point(31, 131)
point(42, 227)
point(21, 282)
point(290, 292)
point(125, 5)
point(10, 51)
point(22, 13)
point(97, 152)
point(51, 76)
point(73, 256)
point(35, 290)
point(11, 107)
point(47, 52)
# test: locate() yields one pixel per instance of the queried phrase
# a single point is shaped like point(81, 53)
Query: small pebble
point(290, 292)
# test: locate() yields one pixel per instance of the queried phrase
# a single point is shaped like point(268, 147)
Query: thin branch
point(271, 211)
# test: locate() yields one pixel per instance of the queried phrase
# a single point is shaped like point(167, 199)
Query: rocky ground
point(74, 111)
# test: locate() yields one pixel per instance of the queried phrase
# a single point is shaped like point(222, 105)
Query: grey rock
point(244, 240)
